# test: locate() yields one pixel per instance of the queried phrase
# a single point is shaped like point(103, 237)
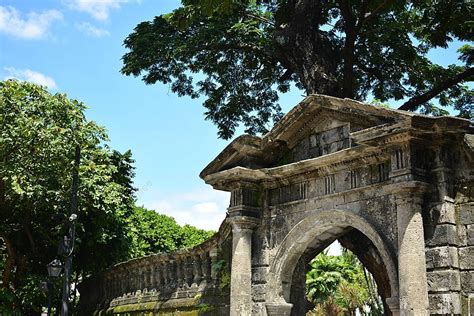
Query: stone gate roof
point(254, 152)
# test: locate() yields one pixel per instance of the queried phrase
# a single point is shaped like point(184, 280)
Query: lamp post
point(54, 270)
point(68, 241)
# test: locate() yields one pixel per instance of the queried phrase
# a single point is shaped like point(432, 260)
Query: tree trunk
point(305, 50)
point(10, 262)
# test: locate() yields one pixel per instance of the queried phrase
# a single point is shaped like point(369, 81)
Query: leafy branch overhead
point(241, 55)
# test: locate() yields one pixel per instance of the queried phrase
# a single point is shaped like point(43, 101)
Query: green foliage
point(379, 103)
point(192, 236)
point(221, 269)
point(38, 135)
point(151, 232)
point(337, 284)
point(241, 55)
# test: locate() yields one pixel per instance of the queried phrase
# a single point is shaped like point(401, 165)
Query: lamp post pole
point(48, 286)
point(69, 240)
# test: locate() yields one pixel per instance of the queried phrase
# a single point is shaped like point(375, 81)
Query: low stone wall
point(192, 282)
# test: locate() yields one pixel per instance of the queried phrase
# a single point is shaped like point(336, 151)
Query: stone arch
point(321, 226)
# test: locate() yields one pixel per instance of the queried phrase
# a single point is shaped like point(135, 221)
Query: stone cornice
point(316, 166)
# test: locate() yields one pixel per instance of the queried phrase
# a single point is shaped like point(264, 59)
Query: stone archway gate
point(394, 187)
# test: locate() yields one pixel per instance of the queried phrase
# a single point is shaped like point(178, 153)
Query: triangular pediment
point(317, 126)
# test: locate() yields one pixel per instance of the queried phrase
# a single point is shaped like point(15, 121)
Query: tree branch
point(379, 9)
point(262, 19)
point(286, 75)
point(415, 101)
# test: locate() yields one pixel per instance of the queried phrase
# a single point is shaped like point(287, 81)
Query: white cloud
point(206, 208)
point(203, 207)
point(98, 9)
point(30, 76)
point(33, 26)
point(91, 30)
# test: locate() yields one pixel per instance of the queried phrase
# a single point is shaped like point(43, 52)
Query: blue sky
point(75, 47)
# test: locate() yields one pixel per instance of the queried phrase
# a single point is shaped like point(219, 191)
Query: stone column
point(205, 268)
point(213, 257)
point(413, 287)
point(171, 275)
point(241, 269)
point(179, 271)
point(196, 270)
point(188, 272)
point(158, 276)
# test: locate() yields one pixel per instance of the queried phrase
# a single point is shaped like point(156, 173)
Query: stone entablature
point(396, 188)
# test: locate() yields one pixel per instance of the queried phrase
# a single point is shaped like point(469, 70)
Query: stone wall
point(192, 282)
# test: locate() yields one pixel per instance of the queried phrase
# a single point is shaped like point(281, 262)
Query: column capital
point(243, 222)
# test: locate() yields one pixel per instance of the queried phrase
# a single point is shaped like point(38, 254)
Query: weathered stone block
point(466, 258)
point(471, 305)
point(462, 235)
point(467, 303)
point(441, 281)
point(445, 304)
point(259, 274)
point(467, 281)
point(444, 234)
point(446, 213)
point(258, 292)
point(258, 308)
point(442, 257)
point(470, 235)
point(466, 213)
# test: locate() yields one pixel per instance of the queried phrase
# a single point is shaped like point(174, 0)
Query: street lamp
point(54, 270)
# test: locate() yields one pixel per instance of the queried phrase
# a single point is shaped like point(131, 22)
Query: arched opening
point(367, 257)
point(337, 283)
point(311, 236)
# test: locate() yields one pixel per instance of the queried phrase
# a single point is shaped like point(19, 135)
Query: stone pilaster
point(241, 269)
point(413, 287)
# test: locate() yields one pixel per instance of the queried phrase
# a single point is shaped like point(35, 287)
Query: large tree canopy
point(241, 54)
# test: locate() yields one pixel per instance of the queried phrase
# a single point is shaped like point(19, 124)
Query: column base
point(278, 309)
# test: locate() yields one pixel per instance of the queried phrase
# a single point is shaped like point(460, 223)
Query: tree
point(151, 232)
point(337, 284)
point(192, 236)
point(242, 54)
point(38, 134)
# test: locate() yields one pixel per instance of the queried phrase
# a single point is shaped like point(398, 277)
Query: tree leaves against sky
point(38, 136)
point(240, 55)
